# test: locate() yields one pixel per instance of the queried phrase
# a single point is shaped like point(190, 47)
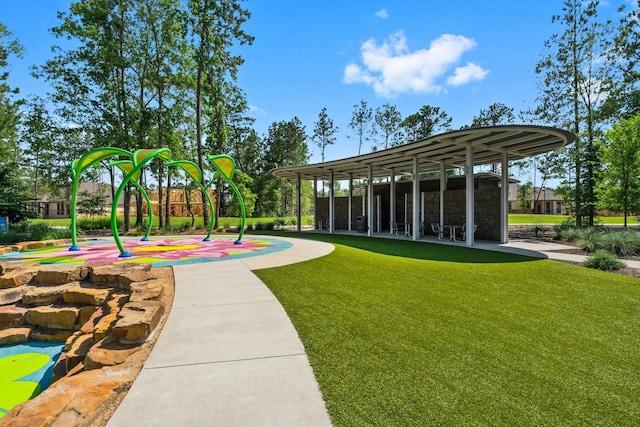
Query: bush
point(605, 261)
point(97, 223)
point(537, 229)
point(588, 239)
point(25, 231)
point(621, 242)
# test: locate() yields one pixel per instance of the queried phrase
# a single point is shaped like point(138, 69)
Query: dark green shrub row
point(25, 231)
point(97, 223)
point(622, 242)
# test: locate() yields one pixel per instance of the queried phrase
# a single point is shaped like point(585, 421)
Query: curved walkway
point(228, 354)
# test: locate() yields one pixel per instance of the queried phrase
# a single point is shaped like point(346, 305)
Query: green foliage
point(603, 260)
point(524, 194)
point(621, 242)
point(26, 231)
point(619, 187)
point(91, 203)
point(98, 223)
point(588, 238)
point(537, 229)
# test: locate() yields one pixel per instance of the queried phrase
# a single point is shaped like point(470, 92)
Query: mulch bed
point(546, 235)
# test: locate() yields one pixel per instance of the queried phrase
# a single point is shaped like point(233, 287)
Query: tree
point(285, 145)
point(496, 114)
point(524, 194)
point(217, 26)
point(624, 54)
point(574, 83)
point(428, 121)
point(324, 132)
point(9, 115)
point(619, 187)
point(360, 121)
point(37, 140)
point(387, 121)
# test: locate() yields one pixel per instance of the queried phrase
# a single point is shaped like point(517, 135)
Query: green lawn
point(516, 219)
point(404, 333)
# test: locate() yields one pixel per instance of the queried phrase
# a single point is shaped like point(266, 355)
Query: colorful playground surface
point(25, 370)
point(161, 251)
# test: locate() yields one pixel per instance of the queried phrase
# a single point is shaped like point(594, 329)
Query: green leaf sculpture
point(14, 391)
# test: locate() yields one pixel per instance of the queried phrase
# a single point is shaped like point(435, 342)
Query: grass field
point(514, 219)
point(404, 333)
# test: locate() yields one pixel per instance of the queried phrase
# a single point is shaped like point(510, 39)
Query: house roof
point(519, 141)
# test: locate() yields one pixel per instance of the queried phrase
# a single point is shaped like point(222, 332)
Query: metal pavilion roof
point(488, 143)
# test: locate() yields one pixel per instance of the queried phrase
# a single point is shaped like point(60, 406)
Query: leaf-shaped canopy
point(95, 156)
point(224, 164)
point(189, 167)
point(126, 166)
point(139, 156)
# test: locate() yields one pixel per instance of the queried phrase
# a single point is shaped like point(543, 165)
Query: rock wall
point(106, 316)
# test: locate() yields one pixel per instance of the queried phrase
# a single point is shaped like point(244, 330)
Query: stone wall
point(341, 211)
point(105, 315)
point(486, 211)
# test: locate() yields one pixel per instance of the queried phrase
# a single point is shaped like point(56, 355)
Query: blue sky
point(459, 55)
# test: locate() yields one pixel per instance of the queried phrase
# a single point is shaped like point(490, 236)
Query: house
point(51, 206)
point(542, 200)
point(59, 206)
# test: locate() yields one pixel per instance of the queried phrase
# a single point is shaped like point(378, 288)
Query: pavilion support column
point(392, 201)
point(349, 202)
point(504, 199)
point(299, 203)
point(443, 188)
point(470, 196)
point(415, 208)
point(316, 220)
point(370, 202)
point(332, 204)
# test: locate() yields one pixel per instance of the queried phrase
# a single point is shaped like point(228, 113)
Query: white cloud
point(392, 68)
point(254, 109)
point(469, 73)
point(382, 14)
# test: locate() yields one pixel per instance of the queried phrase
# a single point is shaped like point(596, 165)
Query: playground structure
point(131, 164)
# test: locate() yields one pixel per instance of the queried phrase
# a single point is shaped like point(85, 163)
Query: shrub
point(605, 261)
point(97, 223)
point(259, 226)
point(537, 229)
point(621, 242)
point(25, 231)
point(588, 239)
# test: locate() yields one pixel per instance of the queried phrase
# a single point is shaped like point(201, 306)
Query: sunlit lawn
point(558, 219)
point(403, 333)
point(514, 219)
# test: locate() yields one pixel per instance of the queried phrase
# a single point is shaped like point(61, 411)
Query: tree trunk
point(160, 216)
point(167, 220)
point(205, 213)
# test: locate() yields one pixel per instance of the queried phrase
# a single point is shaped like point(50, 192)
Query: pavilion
point(460, 149)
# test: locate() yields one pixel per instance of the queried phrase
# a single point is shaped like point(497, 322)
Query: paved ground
point(228, 354)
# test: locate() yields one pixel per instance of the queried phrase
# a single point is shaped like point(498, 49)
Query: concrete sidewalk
point(228, 354)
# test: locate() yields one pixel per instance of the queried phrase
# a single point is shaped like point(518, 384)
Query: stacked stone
point(103, 314)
